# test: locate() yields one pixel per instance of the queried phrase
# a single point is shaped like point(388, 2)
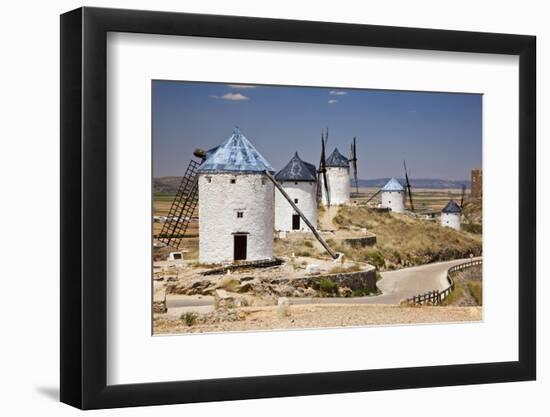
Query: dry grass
point(454, 297)
point(340, 269)
point(476, 289)
point(299, 247)
point(403, 240)
point(473, 211)
point(468, 287)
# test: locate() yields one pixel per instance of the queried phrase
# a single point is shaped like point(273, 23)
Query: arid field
point(401, 243)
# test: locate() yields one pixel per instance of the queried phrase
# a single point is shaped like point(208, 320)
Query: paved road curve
point(395, 287)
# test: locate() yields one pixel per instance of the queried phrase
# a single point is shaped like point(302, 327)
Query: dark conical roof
point(336, 159)
point(452, 207)
point(235, 154)
point(297, 170)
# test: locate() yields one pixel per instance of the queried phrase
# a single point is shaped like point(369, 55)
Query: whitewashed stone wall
point(219, 202)
point(306, 193)
point(394, 200)
point(338, 184)
point(451, 220)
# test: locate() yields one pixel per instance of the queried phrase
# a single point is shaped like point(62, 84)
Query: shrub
point(189, 318)
point(339, 219)
point(361, 292)
point(397, 256)
point(472, 228)
point(308, 244)
point(376, 258)
point(328, 286)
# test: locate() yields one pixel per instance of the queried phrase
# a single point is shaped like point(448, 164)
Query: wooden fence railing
point(435, 297)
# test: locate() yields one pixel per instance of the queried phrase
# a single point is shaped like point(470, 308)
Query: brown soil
point(316, 316)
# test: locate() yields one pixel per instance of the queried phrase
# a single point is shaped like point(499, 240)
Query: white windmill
point(299, 180)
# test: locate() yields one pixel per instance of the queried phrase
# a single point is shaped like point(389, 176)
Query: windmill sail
point(333, 254)
point(353, 160)
point(408, 186)
point(372, 196)
point(182, 208)
point(462, 195)
point(322, 172)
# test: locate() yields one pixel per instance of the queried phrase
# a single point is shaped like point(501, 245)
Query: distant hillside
point(166, 185)
point(169, 185)
point(432, 183)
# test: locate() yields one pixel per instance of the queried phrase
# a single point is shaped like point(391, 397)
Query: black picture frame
point(84, 207)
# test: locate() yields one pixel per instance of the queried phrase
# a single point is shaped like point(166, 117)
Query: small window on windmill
point(295, 201)
point(263, 181)
point(232, 181)
point(295, 182)
point(240, 214)
point(208, 179)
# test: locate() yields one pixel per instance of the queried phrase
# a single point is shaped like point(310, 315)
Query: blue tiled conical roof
point(236, 154)
point(393, 185)
point(297, 170)
point(336, 159)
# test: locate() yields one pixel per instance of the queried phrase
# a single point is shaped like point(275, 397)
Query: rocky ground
point(190, 280)
point(309, 316)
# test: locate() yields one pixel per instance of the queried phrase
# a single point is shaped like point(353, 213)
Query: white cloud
point(337, 93)
point(332, 101)
point(241, 86)
point(231, 96)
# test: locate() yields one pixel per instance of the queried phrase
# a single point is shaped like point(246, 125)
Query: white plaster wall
point(219, 201)
point(306, 193)
point(394, 200)
point(338, 184)
point(451, 220)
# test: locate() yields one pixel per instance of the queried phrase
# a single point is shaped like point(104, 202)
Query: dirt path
point(326, 316)
point(326, 216)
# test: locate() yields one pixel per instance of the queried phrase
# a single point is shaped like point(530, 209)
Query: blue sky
point(439, 134)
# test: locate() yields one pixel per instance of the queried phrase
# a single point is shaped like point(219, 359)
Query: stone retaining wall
point(361, 242)
point(359, 280)
point(302, 286)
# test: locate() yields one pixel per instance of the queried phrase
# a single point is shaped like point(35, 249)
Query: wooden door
point(295, 222)
point(239, 247)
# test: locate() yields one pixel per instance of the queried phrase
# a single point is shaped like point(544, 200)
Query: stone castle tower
point(477, 183)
